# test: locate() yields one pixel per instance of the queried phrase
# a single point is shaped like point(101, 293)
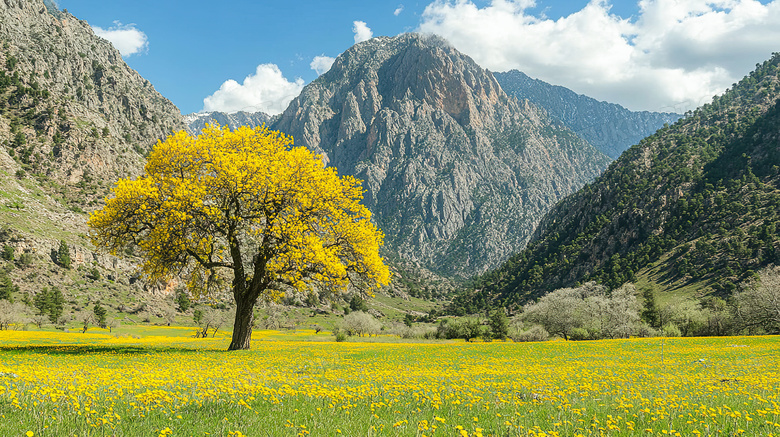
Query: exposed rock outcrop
point(196, 122)
point(456, 171)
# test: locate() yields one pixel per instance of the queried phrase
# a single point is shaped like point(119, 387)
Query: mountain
point(74, 118)
point(196, 122)
point(611, 128)
point(456, 172)
point(691, 209)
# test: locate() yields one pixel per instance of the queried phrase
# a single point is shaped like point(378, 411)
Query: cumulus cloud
point(398, 10)
point(321, 64)
point(672, 56)
point(125, 37)
point(362, 31)
point(265, 91)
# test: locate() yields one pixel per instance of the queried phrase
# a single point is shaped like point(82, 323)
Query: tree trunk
point(242, 327)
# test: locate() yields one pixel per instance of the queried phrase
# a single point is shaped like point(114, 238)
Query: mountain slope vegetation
point(695, 205)
point(74, 118)
point(609, 127)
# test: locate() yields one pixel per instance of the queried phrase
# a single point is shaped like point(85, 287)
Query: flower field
point(59, 384)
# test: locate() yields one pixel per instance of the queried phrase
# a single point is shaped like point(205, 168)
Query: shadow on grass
point(75, 349)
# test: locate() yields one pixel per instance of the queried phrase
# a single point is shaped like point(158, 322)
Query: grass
point(674, 291)
point(168, 383)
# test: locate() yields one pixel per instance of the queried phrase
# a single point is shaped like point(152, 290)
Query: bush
point(499, 325)
point(93, 274)
point(361, 323)
point(536, 333)
point(579, 334)
point(100, 314)
point(757, 303)
point(671, 330)
point(357, 303)
point(645, 330)
point(341, 336)
point(8, 253)
point(183, 302)
point(25, 260)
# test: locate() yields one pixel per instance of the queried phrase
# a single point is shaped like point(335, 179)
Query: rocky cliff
point(611, 128)
point(196, 122)
point(456, 171)
point(74, 118)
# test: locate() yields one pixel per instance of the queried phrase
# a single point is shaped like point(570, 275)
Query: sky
point(655, 55)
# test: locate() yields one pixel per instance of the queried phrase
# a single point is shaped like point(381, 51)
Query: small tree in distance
point(243, 208)
point(100, 315)
point(63, 255)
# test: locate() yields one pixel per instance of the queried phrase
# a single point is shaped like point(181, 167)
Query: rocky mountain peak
point(456, 171)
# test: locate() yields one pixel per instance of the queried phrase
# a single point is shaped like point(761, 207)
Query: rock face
point(74, 118)
point(86, 113)
point(609, 127)
point(196, 122)
point(456, 172)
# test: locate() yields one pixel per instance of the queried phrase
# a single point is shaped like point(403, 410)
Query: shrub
point(93, 274)
point(499, 325)
point(361, 323)
point(341, 336)
point(645, 330)
point(8, 253)
point(25, 260)
point(357, 303)
point(536, 333)
point(100, 315)
point(579, 334)
point(183, 301)
point(671, 330)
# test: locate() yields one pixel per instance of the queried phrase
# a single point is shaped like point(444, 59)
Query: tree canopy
point(243, 207)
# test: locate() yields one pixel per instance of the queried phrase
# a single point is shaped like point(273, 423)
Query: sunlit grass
point(55, 384)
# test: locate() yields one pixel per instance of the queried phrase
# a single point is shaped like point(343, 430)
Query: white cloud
point(125, 38)
point(321, 64)
point(362, 31)
point(673, 56)
point(266, 91)
point(398, 10)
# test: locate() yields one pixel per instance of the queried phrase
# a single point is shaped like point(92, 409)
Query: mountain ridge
point(429, 130)
point(671, 210)
point(609, 127)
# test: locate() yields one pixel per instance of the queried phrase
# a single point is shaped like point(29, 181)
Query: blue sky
point(660, 55)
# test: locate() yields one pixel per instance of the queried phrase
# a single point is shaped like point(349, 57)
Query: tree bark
point(242, 327)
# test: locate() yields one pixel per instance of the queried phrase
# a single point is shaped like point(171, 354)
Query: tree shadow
point(75, 349)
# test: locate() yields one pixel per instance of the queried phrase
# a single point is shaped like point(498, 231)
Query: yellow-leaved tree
point(247, 207)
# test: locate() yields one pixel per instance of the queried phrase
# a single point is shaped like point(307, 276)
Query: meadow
point(298, 383)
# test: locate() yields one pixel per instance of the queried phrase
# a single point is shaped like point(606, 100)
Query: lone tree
point(246, 207)
point(63, 255)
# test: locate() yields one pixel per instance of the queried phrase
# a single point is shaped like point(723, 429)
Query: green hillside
point(692, 209)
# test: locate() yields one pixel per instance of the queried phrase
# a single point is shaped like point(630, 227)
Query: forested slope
point(697, 201)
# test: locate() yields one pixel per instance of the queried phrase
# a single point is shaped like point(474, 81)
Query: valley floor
point(164, 382)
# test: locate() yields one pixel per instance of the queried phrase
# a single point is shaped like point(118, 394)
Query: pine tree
point(57, 304)
point(499, 324)
point(7, 287)
point(63, 255)
point(182, 301)
point(40, 301)
point(100, 314)
point(651, 313)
